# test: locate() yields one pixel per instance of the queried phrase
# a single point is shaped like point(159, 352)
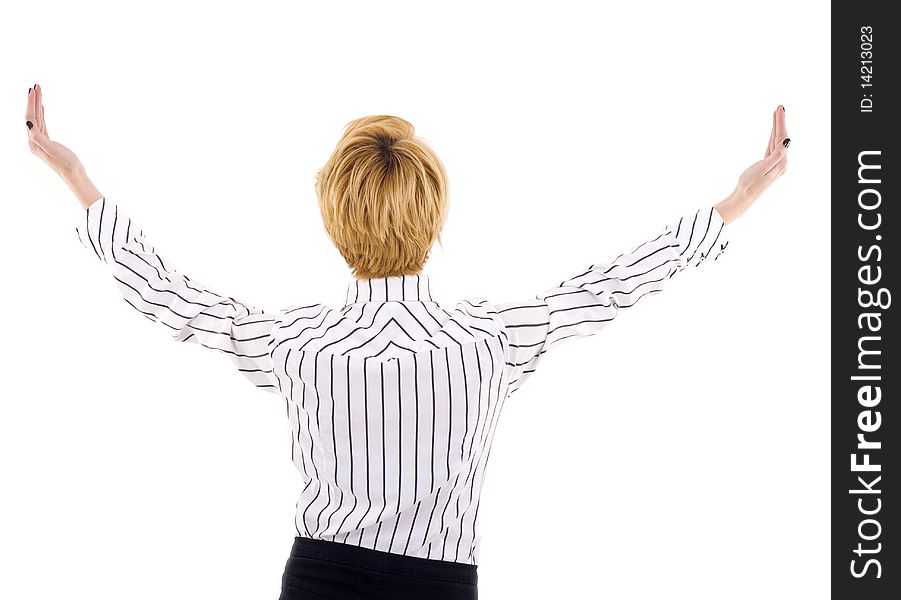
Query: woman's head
point(383, 197)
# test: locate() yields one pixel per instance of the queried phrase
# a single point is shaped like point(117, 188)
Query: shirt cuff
point(104, 229)
point(701, 235)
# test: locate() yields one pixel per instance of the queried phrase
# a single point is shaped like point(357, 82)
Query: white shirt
point(392, 400)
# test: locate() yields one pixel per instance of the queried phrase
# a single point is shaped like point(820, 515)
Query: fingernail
point(783, 109)
point(786, 142)
point(29, 90)
point(29, 124)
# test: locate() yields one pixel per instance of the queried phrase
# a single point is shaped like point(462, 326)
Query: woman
point(392, 400)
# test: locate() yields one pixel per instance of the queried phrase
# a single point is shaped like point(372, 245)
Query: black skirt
point(318, 569)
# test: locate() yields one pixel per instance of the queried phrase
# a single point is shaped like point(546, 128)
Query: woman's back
point(392, 403)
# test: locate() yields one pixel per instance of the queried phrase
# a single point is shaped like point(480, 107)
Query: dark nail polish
point(783, 109)
point(29, 124)
point(786, 142)
point(29, 90)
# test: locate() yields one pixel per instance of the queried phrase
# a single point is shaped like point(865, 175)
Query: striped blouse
point(392, 400)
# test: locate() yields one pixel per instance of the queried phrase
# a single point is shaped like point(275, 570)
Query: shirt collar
point(410, 288)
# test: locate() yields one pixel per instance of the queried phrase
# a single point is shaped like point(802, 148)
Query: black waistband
point(400, 564)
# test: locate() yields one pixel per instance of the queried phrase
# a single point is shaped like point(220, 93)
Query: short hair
point(383, 197)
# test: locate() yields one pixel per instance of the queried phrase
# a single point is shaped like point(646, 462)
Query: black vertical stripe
point(115, 222)
point(100, 227)
point(473, 438)
point(368, 463)
point(462, 442)
point(288, 416)
point(328, 488)
point(471, 557)
point(384, 455)
point(334, 437)
point(415, 453)
point(412, 527)
point(450, 428)
point(316, 478)
point(450, 409)
point(303, 460)
point(703, 237)
point(465, 403)
point(434, 410)
point(296, 404)
point(692, 234)
point(432, 464)
point(400, 454)
point(350, 449)
point(416, 444)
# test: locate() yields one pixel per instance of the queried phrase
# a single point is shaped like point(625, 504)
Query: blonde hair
point(383, 197)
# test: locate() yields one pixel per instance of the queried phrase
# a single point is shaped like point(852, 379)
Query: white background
point(682, 453)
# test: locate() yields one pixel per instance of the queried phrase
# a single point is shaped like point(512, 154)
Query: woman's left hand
point(61, 159)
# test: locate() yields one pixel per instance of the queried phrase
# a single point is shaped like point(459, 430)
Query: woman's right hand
point(760, 175)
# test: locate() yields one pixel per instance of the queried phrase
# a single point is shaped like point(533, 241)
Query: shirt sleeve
point(189, 310)
point(586, 303)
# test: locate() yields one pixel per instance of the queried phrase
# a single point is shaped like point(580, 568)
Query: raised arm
point(587, 302)
point(188, 310)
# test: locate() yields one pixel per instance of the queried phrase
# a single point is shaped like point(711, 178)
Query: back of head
point(383, 197)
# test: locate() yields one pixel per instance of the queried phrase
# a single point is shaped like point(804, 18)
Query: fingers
point(38, 108)
point(778, 133)
point(776, 157)
point(781, 131)
point(34, 111)
point(29, 106)
point(770, 145)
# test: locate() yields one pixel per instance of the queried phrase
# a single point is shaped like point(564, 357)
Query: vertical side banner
point(866, 367)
